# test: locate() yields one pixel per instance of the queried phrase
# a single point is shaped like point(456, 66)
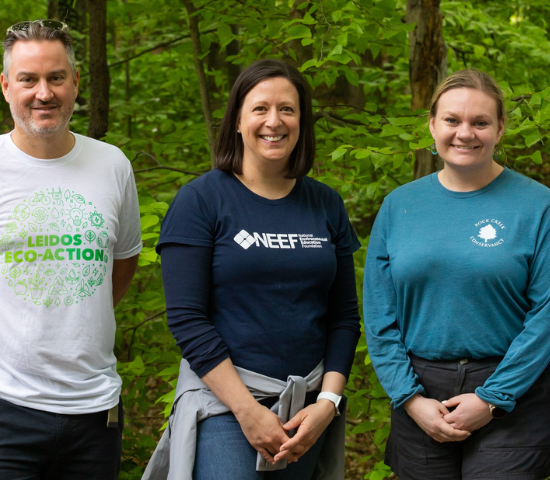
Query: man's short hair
point(36, 31)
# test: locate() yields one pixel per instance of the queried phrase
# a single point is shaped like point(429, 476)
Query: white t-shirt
point(62, 223)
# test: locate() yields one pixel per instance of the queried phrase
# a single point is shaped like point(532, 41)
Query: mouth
point(272, 139)
point(465, 147)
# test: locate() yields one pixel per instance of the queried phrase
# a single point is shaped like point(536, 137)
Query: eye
point(450, 120)
point(481, 123)
point(259, 109)
point(57, 78)
point(287, 109)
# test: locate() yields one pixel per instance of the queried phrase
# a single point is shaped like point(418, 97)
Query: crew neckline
point(20, 155)
point(279, 201)
point(451, 193)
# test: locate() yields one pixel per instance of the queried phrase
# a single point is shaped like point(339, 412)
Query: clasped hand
point(471, 413)
point(269, 436)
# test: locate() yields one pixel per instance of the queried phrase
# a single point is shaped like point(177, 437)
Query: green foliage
point(355, 57)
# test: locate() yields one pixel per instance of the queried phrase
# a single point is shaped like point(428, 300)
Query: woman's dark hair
point(229, 147)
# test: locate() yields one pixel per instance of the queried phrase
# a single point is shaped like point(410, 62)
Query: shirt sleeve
point(186, 277)
point(384, 340)
point(188, 221)
point(343, 327)
point(128, 242)
point(346, 240)
point(528, 354)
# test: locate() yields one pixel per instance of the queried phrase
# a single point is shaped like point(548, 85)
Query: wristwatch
point(496, 412)
point(333, 398)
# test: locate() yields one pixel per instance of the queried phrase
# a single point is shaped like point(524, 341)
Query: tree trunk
point(53, 11)
point(199, 67)
point(233, 48)
point(303, 54)
point(99, 71)
point(427, 65)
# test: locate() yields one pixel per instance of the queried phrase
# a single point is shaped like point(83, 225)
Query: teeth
point(463, 147)
point(272, 139)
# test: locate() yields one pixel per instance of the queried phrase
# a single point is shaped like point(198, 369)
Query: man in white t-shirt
point(69, 245)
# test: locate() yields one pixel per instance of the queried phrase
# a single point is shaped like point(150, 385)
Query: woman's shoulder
point(527, 187)
point(319, 189)
point(414, 189)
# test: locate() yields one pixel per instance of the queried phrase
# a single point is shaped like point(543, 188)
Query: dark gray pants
point(516, 446)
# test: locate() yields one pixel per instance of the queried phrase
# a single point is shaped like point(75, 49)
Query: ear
point(500, 130)
point(432, 126)
point(76, 80)
point(4, 82)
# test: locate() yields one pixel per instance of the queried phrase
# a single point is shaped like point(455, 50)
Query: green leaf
point(336, 15)
point(479, 51)
point(340, 151)
point(298, 31)
point(375, 50)
point(337, 50)
point(343, 39)
point(532, 138)
point(353, 77)
point(148, 221)
point(390, 130)
point(309, 63)
point(537, 157)
point(224, 32)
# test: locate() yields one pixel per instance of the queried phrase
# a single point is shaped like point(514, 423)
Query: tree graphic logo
point(487, 233)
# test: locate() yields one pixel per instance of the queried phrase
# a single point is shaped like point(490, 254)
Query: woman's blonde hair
point(475, 79)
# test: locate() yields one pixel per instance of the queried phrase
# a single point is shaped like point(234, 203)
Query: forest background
point(155, 77)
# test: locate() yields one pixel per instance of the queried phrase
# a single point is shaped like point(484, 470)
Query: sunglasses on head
point(24, 26)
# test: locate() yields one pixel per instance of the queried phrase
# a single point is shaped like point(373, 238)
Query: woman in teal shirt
point(457, 302)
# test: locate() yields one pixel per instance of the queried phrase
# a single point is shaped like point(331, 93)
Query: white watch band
point(333, 398)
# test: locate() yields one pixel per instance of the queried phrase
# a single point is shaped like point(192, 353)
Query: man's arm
point(123, 272)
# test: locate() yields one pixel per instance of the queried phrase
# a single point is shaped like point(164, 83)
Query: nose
point(273, 119)
point(465, 131)
point(44, 92)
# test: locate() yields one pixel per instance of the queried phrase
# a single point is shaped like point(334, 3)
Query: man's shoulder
point(103, 154)
point(98, 145)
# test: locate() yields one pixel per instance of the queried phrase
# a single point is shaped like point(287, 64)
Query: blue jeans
point(223, 453)
point(38, 445)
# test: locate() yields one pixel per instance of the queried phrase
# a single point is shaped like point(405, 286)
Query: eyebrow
point(30, 74)
point(483, 115)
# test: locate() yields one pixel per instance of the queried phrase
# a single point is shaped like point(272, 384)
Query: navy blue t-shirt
point(273, 264)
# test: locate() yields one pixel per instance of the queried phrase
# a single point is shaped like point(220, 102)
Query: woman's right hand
point(428, 414)
point(263, 429)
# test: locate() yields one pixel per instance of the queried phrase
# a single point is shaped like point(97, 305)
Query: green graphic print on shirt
point(53, 250)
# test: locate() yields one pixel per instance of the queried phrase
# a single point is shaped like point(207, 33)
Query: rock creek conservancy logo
point(279, 240)
point(53, 250)
point(489, 233)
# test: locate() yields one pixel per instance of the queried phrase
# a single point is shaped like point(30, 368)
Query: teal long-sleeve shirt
point(460, 274)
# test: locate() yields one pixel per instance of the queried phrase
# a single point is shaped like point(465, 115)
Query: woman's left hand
point(311, 423)
point(471, 413)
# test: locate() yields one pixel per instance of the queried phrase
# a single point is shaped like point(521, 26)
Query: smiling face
point(466, 129)
point(270, 123)
point(40, 88)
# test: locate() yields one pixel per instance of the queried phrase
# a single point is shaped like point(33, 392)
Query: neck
point(270, 184)
point(48, 147)
point(468, 181)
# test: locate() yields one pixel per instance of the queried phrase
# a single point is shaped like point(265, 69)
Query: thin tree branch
point(135, 327)
point(203, 87)
point(160, 166)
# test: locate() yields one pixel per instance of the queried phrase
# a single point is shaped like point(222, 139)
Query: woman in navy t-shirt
point(258, 271)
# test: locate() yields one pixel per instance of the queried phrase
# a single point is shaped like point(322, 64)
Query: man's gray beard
point(30, 128)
